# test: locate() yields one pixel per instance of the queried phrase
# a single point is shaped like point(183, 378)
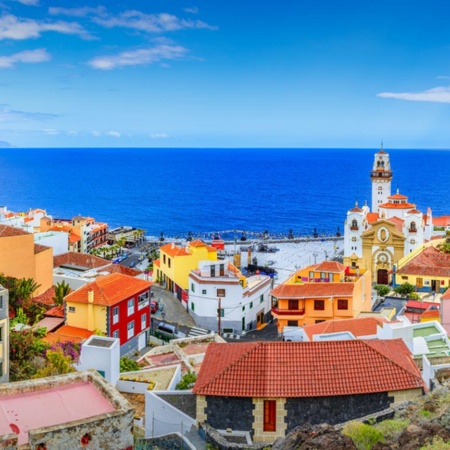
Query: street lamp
point(163, 315)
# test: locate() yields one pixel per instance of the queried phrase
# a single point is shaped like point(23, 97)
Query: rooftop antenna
point(381, 143)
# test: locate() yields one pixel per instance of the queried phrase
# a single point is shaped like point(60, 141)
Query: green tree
point(405, 289)
point(128, 365)
point(25, 289)
point(61, 290)
point(382, 289)
point(121, 242)
point(187, 381)
point(57, 364)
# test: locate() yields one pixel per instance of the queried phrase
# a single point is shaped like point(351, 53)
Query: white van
point(292, 334)
point(169, 331)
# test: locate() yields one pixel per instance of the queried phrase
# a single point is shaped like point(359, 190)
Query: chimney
point(90, 312)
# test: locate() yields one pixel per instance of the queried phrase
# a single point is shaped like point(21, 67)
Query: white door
point(141, 340)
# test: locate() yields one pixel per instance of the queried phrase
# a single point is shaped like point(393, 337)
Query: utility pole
point(219, 313)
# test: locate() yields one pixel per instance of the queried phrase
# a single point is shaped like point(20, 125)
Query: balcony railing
point(413, 230)
point(288, 312)
point(354, 228)
point(143, 304)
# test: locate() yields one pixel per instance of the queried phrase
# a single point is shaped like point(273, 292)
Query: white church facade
point(377, 239)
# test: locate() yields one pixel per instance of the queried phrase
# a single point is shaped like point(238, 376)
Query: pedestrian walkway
point(195, 331)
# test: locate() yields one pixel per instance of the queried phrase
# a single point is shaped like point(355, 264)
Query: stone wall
point(333, 410)
point(230, 412)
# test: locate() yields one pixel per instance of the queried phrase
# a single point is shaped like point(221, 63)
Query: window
point(319, 321)
point(116, 334)
point(204, 291)
point(143, 300)
point(251, 305)
point(1, 302)
point(243, 308)
point(213, 271)
point(1, 368)
point(130, 328)
point(270, 408)
point(261, 298)
point(319, 305)
point(192, 287)
point(143, 322)
point(311, 274)
point(192, 306)
point(322, 275)
point(222, 270)
point(293, 304)
point(164, 259)
point(168, 262)
point(131, 306)
point(292, 323)
point(220, 292)
point(342, 304)
point(71, 309)
point(115, 314)
point(1, 334)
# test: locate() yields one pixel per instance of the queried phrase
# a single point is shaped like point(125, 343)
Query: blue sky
point(170, 73)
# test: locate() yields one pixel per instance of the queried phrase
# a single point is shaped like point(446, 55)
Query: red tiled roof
point(7, 231)
point(118, 268)
point(80, 259)
point(74, 238)
point(430, 262)
point(157, 263)
point(416, 304)
point(372, 217)
point(68, 333)
point(38, 248)
point(313, 290)
point(397, 205)
point(397, 222)
point(56, 311)
point(28, 219)
point(173, 250)
point(356, 209)
point(109, 289)
point(431, 314)
point(414, 211)
point(46, 298)
point(211, 249)
point(364, 326)
point(398, 197)
point(442, 221)
point(330, 266)
point(307, 369)
point(197, 243)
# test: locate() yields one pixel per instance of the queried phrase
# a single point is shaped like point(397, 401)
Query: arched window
point(413, 227)
point(354, 224)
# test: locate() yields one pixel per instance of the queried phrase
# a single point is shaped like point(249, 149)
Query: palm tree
point(61, 290)
point(26, 288)
point(121, 242)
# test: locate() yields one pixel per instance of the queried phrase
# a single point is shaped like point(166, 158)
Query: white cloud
point(139, 57)
point(12, 27)
point(28, 2)
point(115, 134)
point(159, 135)
point(28, 56)
point(11, 115)
point(443, 77)
point(51, 131)
point(151, 23)
point(96, 133)
point(192, 10)
point(437, 95)
point(77, 12)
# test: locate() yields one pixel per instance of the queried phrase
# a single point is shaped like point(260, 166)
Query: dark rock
point(415, 437)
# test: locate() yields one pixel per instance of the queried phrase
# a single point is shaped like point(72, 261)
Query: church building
point(377, 239)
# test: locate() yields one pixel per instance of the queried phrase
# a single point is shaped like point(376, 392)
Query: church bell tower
point(381, 176)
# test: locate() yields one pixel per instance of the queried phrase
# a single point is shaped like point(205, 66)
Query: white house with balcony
point(219, 293)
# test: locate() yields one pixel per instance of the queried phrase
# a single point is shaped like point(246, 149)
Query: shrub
point(187, 381)
point(436, 444)
point(382, 289)
point(128, 365)
point(364, 436)
point(391, 429)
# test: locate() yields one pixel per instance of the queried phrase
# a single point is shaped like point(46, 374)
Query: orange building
point(20, 257)
point(321, 292)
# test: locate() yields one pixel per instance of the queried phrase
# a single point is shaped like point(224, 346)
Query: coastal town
point(110, 339)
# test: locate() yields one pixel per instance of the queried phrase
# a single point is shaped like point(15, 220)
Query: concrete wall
point(58, 240)
point(162, 418)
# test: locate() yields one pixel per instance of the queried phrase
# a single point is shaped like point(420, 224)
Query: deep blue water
point(208, 190)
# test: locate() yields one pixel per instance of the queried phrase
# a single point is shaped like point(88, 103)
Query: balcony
point(288, 312)
point(354, 228)
point(143, 304)
point(413, 230)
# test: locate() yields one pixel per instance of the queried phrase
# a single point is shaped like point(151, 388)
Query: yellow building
point(175, 263)
point(4, 335)
point(321, 292)
point(20, 257)
point(426, 268)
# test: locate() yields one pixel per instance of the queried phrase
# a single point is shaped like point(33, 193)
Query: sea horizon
point(177, 190)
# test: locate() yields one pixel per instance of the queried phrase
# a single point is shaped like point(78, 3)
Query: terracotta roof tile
point(397, 222)
point(197, 243)
point(330, 266)
point(38, 248)
point(68, 333)
point(365, 326)
point(372, 217)
point(109, 289)
point(307, 369)
point(398, 197)
point(46, 298)
point(118, 268)
point(428, 262)
point(56, 311)
point(442, 221)
point(397, 205)
point(7, 231)
point(313, 290)
point(356, 209)
point(79, 259)
point(173, 250)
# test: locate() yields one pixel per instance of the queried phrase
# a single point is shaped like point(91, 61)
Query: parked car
point(154, 306)
point(132, 264)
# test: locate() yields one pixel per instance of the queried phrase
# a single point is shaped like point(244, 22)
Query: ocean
point(204, 191)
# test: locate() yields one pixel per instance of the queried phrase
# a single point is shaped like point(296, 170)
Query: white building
point(27, 221)
point(377, 239)
point(58, 240)
point(243, 302)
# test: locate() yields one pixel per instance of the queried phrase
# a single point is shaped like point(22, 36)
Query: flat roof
point(25, 411)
